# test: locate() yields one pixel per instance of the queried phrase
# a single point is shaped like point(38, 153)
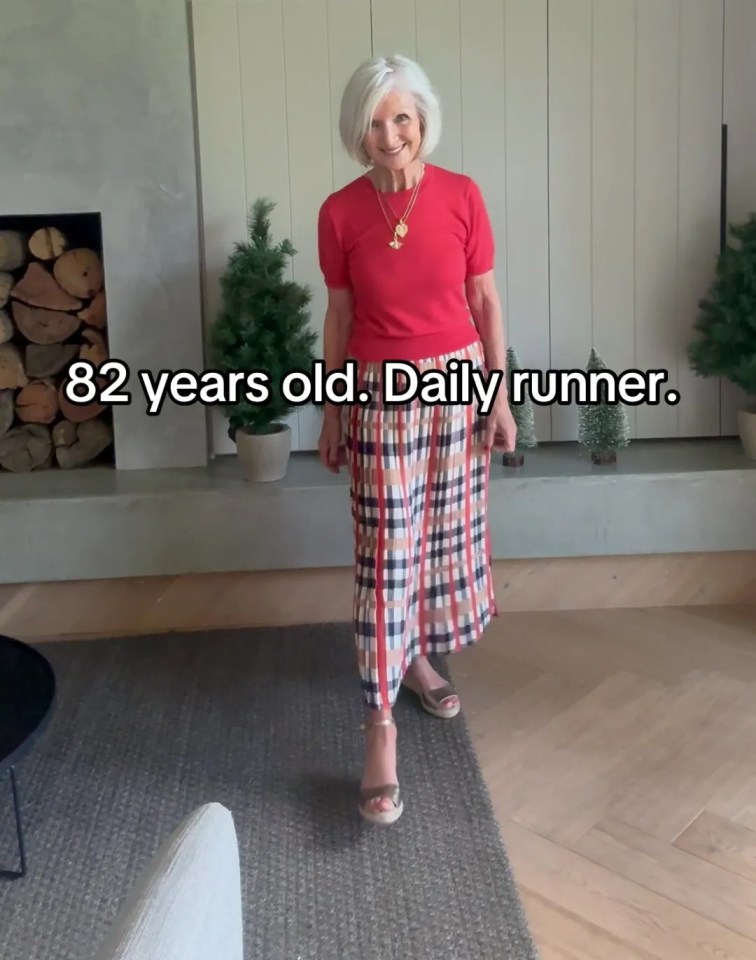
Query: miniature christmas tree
point(602, 426)
point(725, 343)
point(262, 325)
point(523, 415)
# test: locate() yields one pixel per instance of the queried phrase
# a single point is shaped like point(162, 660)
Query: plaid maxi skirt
point(419, 498)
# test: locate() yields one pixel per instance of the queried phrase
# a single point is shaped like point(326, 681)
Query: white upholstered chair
point(186, 904)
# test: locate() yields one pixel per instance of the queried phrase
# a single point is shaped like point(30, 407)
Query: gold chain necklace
point(401, 229)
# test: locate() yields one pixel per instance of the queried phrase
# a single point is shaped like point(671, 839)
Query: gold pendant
point(395, 245)
point(401, 229)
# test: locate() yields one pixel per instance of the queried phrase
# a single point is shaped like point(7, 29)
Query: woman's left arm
point(485, 307)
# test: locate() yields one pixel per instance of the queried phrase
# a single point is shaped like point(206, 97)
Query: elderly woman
point(407, 255)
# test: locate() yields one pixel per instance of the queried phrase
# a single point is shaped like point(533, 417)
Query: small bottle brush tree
point(523, 416)
point(602, 426)
point(725, 341)
point(262, 325)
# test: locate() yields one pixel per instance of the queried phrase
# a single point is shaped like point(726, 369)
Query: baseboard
point(154, 605)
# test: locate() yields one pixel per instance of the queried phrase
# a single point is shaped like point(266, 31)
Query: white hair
point(367, 87)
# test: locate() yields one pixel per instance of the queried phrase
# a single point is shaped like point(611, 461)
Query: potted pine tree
point(602, 426)
point(262, 326)
point(725, 328)
point(523, 416)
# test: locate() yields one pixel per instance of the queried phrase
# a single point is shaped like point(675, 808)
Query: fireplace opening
point(53, 312)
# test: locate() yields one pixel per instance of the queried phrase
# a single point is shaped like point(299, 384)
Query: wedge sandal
point(386, 791)
point(435, 701)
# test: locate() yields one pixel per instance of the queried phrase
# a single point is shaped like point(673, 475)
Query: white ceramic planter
point(264, 457)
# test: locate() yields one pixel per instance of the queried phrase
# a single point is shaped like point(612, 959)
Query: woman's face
point(395, 133)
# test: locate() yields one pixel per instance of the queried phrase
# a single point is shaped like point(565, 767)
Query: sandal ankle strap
point(379, 723)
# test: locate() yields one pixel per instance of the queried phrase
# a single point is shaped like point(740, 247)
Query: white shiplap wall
point(592, 127)
point(740, 117)
point(635, 94)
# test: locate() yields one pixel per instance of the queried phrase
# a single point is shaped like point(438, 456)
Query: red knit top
point(408, 304)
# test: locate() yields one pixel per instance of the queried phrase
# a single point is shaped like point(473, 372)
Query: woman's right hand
point(330, 446)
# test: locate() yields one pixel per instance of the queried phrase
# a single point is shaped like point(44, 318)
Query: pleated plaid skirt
point(419, 496)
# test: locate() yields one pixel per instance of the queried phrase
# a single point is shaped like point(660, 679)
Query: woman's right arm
point(336, 329)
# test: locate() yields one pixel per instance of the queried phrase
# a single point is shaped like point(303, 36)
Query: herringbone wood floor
point(618, 746)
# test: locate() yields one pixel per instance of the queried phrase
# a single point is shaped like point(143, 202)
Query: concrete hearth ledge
point(662, 497)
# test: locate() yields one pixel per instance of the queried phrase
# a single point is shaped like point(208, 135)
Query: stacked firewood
point(52, 313)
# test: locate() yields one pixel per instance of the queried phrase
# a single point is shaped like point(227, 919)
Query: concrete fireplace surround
point(96, 114)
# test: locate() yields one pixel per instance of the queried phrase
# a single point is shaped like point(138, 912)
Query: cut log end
point(37, 402)
point(94, 349)
point(27, 448)
point(96, 313)
point(80, 273)
point(47, 360)
point(39, 288)
point(79, 412)
point(12, 373)
point(7, 331)
point(44, 326)
point(79, 444)
point(47, 243)
point(6, 285)
point(7, 409)
point(13, 250)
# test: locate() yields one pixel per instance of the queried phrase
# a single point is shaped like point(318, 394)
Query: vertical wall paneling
point(526, 174)
point(657, 203)
point(264, 109)
point(394, 27)
point(308, 98)
point(699, 198)
point(343, 32)
point(349, 43)
point(265, 133)
point(215, 28)
point(570, 221)
point(740, 106)
point(740, 116)
point(613, 186)
point(592, 127)
point(634, 114)
point(438, 50)
point(483, 120)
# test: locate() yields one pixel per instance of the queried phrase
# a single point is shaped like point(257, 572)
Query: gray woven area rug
point(268, 723)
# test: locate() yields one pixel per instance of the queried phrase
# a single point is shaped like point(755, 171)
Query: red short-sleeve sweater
point(408, 304)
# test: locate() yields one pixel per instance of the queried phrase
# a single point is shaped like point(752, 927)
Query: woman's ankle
point(380, 755)
point(379, 718)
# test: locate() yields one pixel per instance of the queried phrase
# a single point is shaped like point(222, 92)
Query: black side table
point(27, 696)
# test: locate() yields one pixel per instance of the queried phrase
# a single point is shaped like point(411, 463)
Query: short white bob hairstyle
point(367, 87)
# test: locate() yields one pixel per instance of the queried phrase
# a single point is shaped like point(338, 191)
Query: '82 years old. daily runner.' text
point(461, 382)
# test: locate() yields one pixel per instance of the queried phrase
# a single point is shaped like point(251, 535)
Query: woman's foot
point(379, 789)
point(436, 694)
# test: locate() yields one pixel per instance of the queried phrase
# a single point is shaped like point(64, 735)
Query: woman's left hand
point(501, 429)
